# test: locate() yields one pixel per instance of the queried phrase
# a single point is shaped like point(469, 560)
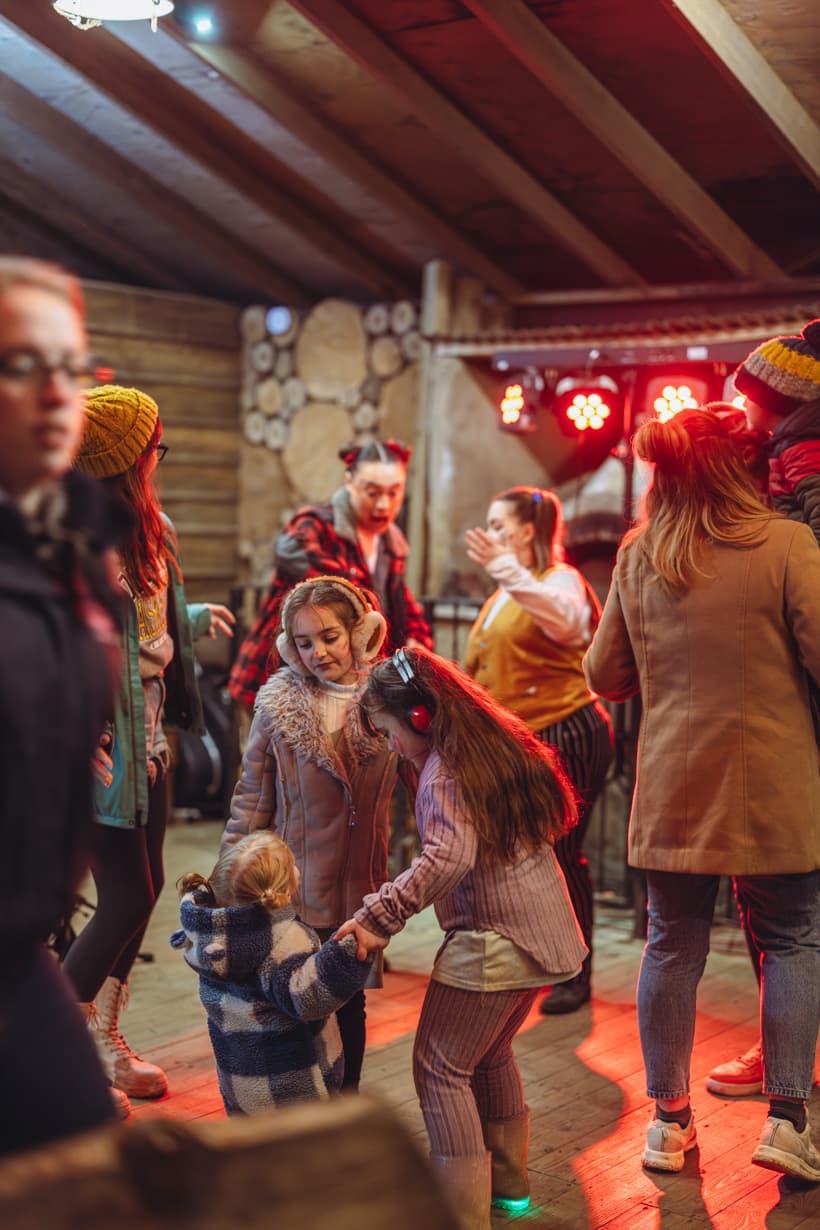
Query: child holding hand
point(268, 986)
point(312, 773)
point(490, 803)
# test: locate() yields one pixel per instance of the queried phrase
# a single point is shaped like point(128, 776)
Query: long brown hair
point(514, 788)
point(145, 553)
point(702, 489)
point(540, 508)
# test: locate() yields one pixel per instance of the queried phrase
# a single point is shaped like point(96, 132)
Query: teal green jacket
point(124, 804)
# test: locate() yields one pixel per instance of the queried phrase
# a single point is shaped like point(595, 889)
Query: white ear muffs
point(367, 636)
point(289, 655)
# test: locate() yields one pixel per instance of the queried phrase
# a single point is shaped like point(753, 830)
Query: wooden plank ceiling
point(321, 147)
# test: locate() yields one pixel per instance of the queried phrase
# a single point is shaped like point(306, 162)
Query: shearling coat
point(728, 779)
point(331, 805)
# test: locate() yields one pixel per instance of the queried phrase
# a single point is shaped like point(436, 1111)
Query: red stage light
point(519, 405)
point(668, 394)
point(512, 403)
point(588, 403)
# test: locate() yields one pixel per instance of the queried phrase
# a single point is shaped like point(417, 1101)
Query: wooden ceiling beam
point(24, 231)
point(82, 226)
point(527, 38)
point(198, 131)
point(469, 141)
point(71, 139)
point(262, 89)
point(725, 42)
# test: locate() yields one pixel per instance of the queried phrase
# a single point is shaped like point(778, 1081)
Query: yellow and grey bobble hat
point(119, 424)
point(783, 373)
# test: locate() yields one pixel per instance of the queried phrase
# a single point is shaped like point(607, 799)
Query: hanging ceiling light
point(86, 14)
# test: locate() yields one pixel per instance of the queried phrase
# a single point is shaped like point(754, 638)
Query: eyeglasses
point(31, 367)
point(160, 450)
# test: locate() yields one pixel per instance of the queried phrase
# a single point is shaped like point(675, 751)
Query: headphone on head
point(366, 636)
point(419, 717)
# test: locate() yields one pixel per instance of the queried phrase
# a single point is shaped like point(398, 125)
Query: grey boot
point(466, 1182)
point(508, 1143)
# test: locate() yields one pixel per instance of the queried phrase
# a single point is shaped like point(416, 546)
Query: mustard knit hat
point(119, 424)
point(783, 373)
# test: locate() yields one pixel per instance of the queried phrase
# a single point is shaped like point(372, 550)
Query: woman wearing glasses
point(58, 616)
point(122, 446)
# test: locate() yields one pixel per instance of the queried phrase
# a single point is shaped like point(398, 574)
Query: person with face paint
point(526, 648)
point(352, 536)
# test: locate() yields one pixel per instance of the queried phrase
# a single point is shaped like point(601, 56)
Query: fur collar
point(291, 703)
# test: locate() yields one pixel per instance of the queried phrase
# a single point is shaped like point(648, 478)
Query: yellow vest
point(520, 666)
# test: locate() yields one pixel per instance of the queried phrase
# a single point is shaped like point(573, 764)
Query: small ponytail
point(193, 880)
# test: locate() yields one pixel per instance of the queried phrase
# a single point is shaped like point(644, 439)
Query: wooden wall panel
point(184, 352)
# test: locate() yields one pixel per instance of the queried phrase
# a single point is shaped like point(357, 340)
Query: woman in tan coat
point(714, 617)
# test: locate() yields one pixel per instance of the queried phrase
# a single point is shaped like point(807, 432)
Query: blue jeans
point(784, 916)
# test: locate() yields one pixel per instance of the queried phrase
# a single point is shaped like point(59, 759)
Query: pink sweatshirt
point(527, 902)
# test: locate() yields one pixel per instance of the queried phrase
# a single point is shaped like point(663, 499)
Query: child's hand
point(366, 941)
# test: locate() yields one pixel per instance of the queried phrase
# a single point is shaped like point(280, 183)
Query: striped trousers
point(584, 741)
point(463, 1064)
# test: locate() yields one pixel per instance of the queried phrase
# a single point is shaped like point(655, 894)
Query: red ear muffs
point(420, 718)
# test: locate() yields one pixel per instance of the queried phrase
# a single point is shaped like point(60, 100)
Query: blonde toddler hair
point(257, 870)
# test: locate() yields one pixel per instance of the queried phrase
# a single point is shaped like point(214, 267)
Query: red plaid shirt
point(321, 541)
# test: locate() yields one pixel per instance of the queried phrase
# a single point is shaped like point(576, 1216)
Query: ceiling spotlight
point(278, 320)
point(203, 24)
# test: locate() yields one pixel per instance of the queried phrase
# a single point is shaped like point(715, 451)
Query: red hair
point(146, 552)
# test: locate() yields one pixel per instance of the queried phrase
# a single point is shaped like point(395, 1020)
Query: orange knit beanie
point(119, 424)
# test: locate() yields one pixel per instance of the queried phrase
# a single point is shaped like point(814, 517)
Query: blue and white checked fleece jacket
point(270, 989)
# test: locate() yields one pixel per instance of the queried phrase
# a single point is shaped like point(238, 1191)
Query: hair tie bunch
point(375, 450)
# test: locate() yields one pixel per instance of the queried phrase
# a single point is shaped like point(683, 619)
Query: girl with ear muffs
point(313, 774)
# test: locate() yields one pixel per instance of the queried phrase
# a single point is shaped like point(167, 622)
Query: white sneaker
point(740, 1076)
point(666, 1144)
point(785, 1149)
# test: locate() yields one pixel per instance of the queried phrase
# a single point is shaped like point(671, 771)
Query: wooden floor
point(583, 1076)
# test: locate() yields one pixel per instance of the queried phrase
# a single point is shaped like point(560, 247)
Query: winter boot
point(121, 1104)
point(124, 1068)
point(466, 1182)
point(508, 1143)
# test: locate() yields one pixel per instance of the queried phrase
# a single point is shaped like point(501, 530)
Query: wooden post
point(436, 307)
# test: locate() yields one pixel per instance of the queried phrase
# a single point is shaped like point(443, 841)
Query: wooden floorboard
point(583, 1076)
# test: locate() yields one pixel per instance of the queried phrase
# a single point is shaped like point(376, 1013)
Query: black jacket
point(55, 693)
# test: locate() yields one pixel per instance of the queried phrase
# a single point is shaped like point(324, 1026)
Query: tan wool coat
point(728, 770)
